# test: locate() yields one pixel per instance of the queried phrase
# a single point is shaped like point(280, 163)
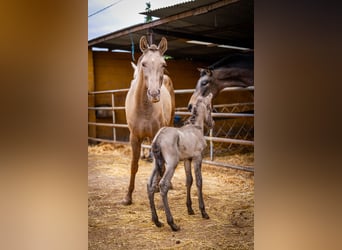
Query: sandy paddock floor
point(228, 196)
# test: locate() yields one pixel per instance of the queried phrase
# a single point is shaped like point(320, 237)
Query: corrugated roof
point(225, 22)
point(176, 8)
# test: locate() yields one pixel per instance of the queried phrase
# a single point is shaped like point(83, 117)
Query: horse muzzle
point(153, 96)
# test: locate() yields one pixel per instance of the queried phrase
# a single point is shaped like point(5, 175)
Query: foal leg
point(164, 188)
point(198, 174)
point(187, 167)
point(136, 147)
point(151, 188)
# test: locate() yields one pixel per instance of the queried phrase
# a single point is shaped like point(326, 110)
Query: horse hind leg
point(151, 189)
point(164, 188)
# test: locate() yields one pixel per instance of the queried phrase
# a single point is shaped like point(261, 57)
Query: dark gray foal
point(169, 146)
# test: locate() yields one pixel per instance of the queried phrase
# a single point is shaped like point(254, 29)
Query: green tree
point(148, 18)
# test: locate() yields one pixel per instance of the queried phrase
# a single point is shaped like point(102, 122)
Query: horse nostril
point(190, 107)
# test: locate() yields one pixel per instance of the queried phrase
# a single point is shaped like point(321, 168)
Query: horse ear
point(162, 45)
point(134, 66)
point(143, 43)
point(208, 72)
point(202, 71)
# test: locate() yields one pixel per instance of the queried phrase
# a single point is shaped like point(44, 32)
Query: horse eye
point(143, 64)
point(205, 82)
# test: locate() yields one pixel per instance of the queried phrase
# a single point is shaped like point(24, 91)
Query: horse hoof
point(158, 224)
point(126, 202)
point(205, 215)
point(174, 227)
point(191, 212)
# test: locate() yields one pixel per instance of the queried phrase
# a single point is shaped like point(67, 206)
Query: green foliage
point(148, 18)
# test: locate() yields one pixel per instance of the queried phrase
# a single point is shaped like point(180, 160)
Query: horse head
point(153, 65)
point(235, 70)
point(204, 86)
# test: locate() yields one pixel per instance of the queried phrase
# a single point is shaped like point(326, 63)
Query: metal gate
point(236, 126)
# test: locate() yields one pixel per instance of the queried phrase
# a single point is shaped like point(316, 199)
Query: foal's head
point(153, 64)
point(201, 111)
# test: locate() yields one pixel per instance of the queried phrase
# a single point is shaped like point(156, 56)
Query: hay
point(228, 195)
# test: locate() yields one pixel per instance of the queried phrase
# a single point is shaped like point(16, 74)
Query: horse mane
point(236, 60)
point(192, 118)
point(194, 113)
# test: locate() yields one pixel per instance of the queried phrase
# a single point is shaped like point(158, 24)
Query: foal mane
point(194, 113)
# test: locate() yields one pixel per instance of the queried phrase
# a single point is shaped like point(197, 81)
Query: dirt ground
point(228, 196)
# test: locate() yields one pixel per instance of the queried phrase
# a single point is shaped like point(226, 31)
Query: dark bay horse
point(169, 146)
point(236, 70)
point(150, 102)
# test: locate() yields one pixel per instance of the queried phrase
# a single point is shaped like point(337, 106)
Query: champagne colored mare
point(171, 145)
point(236, 70)
point(150, 102)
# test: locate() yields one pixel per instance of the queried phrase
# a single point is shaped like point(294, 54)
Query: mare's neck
point(232, 77)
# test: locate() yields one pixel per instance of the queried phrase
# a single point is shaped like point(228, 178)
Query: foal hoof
point(205, 215)
point(158, 224)
point(174, 227)
point(191, 212)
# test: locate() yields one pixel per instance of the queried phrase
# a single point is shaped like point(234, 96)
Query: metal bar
point(113, 117)
point(108, 91)
point(249, 88)
point(222, 105)
point(107, 140)
point(211, 145)
point(184, 91)
point(249, 169)
point(189, 91)
point(106, 108)
point(108, 125)
point(177, 91)
point(218, 114)
point(145, 146)
point(228, 140)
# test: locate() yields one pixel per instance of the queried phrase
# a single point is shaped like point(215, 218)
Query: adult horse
point(236, 70)
point(150, 102)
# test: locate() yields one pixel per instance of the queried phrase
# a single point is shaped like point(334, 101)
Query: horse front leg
point(189, 180)
point(136, 147)
point(198, 174)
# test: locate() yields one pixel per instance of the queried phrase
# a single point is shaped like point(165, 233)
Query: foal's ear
point(162, 45)
point(143, 43)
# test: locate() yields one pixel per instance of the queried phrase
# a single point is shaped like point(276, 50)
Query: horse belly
point(191, 146)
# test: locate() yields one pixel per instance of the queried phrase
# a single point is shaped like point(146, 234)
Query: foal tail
point(158, 157)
